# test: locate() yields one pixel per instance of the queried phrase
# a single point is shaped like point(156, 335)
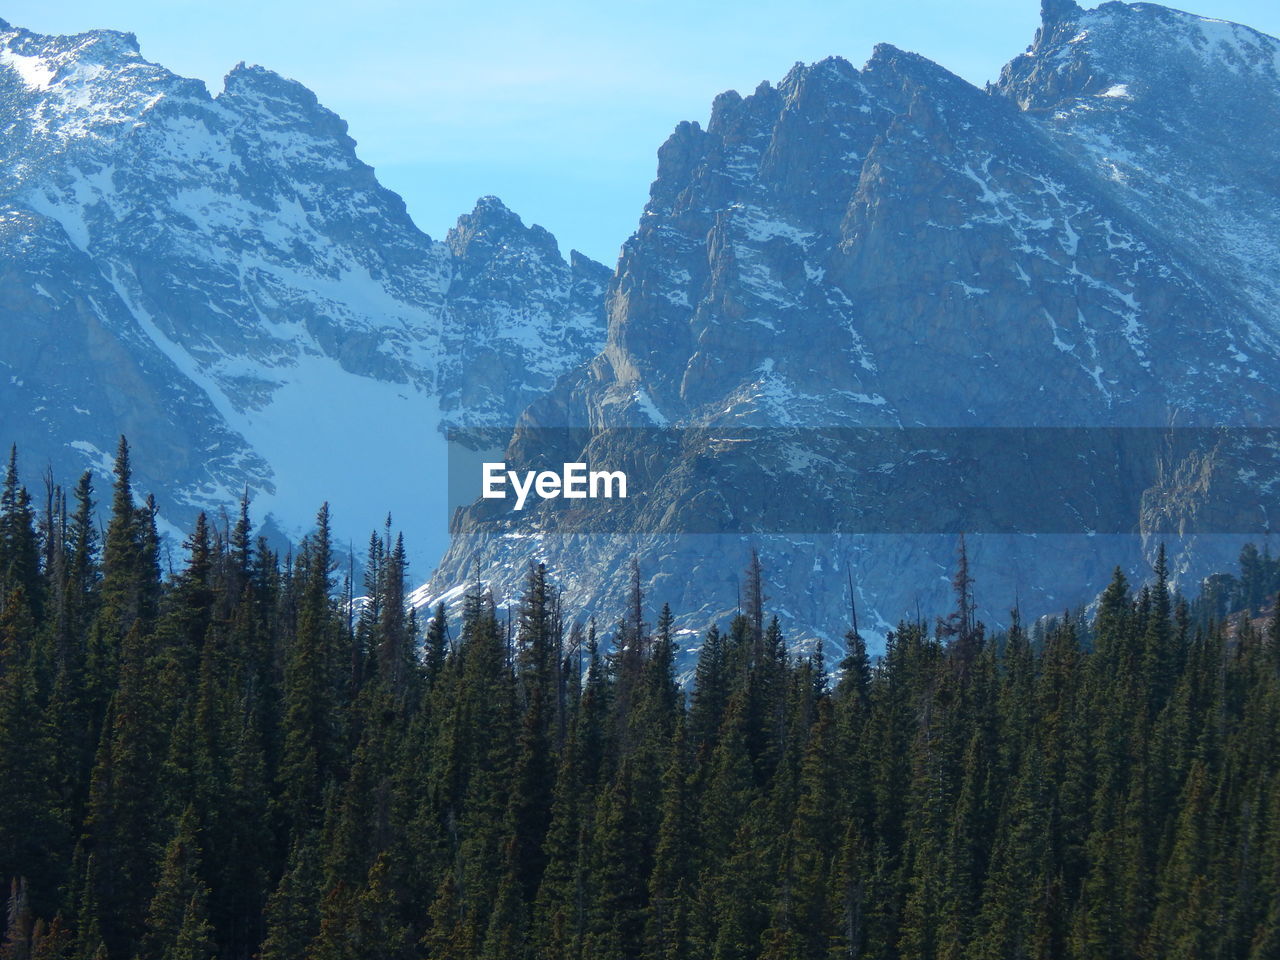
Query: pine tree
point(124, 825)
point(436, 646)
point(82, 575)
point(529, 808)
point(314, 674)
point(710, 692)
point(674, 877)
point(177, 926)
point(131, 575)
point(1181, 924)
point(1013, 896)
point(558, 917)
point(616, 910)
point(801, 918)
point(368, 926)
point(451, 933)
point(19, 544)
point(485, 741)
point(397, 664)
point(1158, 654)
point(848, 896)
point(293, 914)
point(31, 834)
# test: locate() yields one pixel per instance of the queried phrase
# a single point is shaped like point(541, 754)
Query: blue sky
point(556, 106)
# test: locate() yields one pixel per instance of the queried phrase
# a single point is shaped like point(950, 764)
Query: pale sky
point(556, 106)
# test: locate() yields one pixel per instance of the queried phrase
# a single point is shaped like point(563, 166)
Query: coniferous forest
point(230, 759)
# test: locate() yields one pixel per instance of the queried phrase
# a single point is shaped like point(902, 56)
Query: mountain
point(1088, 242)
point(221, 278)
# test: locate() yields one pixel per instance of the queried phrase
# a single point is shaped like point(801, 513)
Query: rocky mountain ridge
point(1081, 244)
point(221, 278)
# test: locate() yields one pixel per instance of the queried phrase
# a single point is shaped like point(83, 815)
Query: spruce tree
point(177, 926)
point(20, 566)
point(673, 880)
point(313, 676)
point(32, 835)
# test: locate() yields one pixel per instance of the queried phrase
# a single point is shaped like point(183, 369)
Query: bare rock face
point(519, 316)
point(225, 281)
point(1082, 244)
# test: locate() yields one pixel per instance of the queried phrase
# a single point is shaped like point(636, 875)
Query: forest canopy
point(231, 759)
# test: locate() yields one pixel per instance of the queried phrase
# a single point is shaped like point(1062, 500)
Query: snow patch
point(35, 72)
point(645, 404)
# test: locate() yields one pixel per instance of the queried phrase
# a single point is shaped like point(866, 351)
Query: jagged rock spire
point(1055, 11)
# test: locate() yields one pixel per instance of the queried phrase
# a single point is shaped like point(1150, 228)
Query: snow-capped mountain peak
point(221, 277)
point(1089, 242)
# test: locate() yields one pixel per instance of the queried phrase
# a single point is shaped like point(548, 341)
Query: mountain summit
point(1083, 244)
point(222, 279)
